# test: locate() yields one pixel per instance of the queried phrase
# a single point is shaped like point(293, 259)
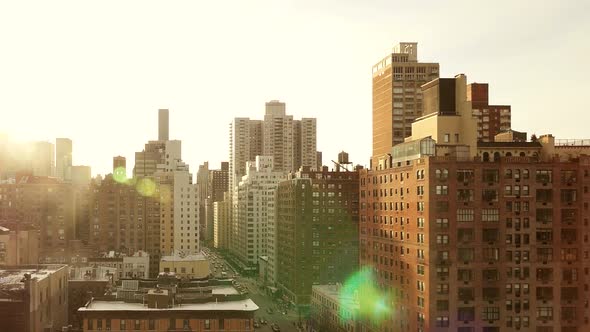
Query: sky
point(98, 71)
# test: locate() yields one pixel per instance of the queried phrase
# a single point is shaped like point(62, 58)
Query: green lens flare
point(120, 175)
point(146, 187)
point(359, 290)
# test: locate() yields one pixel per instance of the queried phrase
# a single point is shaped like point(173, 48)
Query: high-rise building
point(491, 119)
point(397, 98)
point(119, 162)
point(277, 133)
point(221, 223)
point(466, 235)
point(316, 230)
point(203, 187)
point(43, 159)
point(81, 175)
point(163, 125)
point(125, 219)
point(255, 216)
point(48, 205)
point(219, 182)
point(63, 158)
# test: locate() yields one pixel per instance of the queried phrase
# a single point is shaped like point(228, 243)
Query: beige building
point(19, 245)
point(63, 158)
point(194, 266)
point(33, 298)
point(397, 97)
point(221, 223)
point(255, 215)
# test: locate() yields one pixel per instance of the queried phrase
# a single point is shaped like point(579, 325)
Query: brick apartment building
point(466, 236)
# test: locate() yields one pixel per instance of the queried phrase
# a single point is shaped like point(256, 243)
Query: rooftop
point(11, 278)
point(241, 305)
point(181, 258)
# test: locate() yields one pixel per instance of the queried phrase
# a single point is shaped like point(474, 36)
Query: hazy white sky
point(97, 71)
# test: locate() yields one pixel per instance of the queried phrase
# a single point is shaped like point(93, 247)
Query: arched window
point(508, 154)
point(496, 156)
point(486, 156)
point(522, 154)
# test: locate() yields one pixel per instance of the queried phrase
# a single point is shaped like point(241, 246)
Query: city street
point(285, 321)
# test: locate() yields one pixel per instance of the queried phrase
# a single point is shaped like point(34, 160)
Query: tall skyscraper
point(397, 98)
point(464, 235)
point(163, 125)
point(160, 165)
point(43, 159)
point(63, 158)
point(278, 136)
point(253, 229)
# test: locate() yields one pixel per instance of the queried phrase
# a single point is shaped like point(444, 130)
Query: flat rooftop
point(179, 258)
point(10, 278)
point(241, 305)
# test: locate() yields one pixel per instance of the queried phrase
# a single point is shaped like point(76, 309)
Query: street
point(286, 322)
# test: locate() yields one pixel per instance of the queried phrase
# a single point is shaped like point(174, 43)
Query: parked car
point(275, 328)
point(256, 325)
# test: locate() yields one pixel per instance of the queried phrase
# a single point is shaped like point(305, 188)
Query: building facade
point(63, 158)
point(33, 297)
point(467, 236)
point(255, 216)
point(397, 98)
point(491, 119)
point(317, 230)
point(19, 244)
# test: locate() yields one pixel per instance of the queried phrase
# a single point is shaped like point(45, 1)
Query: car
point(256, 325)
point(275, 328)
point(262, 321)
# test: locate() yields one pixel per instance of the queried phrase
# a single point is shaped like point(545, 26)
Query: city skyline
point(155, 65)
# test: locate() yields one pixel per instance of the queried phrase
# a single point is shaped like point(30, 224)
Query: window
point(221, 324)
point(207, 324)
point(442, 190)
point(491, 313)
point(172, 323)
point(108, 324)
point(464, 214)
point(442, 222)
point(545, 313)
point(151, 324)
point(99, 324)
point(466, 314)
point(465, 255)
point(490, 215)
point(442, 321)
point(447, 138)
point(90, 325)
point(465, 195)
point(186, 324)
point(122, 324)
point(137, 324)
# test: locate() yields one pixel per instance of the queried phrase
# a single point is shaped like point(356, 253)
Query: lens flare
point(120, 175)
point(360, 290)
point(146, 187)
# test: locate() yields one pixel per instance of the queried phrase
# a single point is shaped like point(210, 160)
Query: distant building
point(397, 97)
point(63, 158)
point(135, 266)
point(48, 205)
point(221, 223)
point(80, 175)
point(193, 266)
point(491, 119)
point(254, 225)
point(317, 220)
point(33, 297)
point(124, 219)
point(43, 159)
point(19, 244)
point(333, 311)
point(166, 304)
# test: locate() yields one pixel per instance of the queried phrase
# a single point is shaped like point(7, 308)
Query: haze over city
point(97, 72)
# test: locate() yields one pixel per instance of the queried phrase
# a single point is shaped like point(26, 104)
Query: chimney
point(163, 125)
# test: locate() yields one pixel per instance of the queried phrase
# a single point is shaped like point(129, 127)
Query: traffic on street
point(274, 314)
